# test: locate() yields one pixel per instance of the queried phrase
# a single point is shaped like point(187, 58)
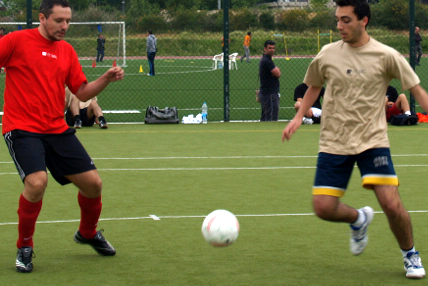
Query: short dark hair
point(269, 42)
point(150, 32)
point(47, 5)
point(249, 33)
point(361, 8)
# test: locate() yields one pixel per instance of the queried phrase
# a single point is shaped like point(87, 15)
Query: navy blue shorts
point(62, 154)
point(334, 171)
point(86, 121)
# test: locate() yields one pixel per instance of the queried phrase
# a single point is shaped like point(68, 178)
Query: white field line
point(158, 73)
point(235, 157)
point(223, 157)
point(156, 218)
point(220, 168)
point(211, 169)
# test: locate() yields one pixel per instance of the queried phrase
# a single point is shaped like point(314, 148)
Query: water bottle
point(204, 113)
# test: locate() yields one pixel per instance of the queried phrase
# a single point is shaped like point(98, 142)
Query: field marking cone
point(94, 64)
point(141, 69)
point(114, 63)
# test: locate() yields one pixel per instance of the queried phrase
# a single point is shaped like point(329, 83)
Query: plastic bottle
point(204, 113)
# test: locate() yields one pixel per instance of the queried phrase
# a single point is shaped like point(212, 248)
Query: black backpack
point(154, 115)
point(404, 119)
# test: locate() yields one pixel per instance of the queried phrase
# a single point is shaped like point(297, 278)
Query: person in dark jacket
point(269, 84)
point(101, 43)
point(418, 47)
point(151, 49)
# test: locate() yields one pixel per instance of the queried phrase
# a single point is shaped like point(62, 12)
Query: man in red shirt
point(35, 130)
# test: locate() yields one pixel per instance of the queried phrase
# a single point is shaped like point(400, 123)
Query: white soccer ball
point(220, 228)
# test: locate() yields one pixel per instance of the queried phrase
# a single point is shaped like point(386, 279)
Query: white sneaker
point(359, 237)
point(307, 121)
point(413, 265)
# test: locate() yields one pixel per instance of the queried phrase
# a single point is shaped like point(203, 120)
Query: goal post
point(83, 37)
point(273, 35)
point(321, 35)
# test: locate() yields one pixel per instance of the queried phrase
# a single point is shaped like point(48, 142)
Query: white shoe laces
point(415, 260)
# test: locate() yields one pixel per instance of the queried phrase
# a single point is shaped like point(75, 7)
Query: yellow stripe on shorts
point(369, 181)
point(328, 191)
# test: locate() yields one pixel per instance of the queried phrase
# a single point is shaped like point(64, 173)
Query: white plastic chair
point(232, 61)
point(216, 59)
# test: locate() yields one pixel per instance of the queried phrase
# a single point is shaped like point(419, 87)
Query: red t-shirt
point(37, 72)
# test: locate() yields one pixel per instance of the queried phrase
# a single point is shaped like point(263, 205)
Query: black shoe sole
point(101, 251)
point(20, 270)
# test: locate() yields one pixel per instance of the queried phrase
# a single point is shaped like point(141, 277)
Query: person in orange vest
point(247, 41)
point(222, 43)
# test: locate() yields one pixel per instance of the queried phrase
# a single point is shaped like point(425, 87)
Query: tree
point(22, 5)
point(318, 3)
point(11, 8)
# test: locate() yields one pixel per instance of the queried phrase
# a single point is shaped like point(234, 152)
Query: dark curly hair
point(361, 8)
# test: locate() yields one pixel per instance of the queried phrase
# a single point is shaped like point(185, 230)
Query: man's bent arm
point(88, 90)
point(421, 96)
point(276, 72)
point(309, 99)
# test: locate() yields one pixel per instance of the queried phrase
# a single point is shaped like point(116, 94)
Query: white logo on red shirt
point(45, 54)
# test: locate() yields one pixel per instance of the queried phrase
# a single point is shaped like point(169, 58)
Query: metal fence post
point(29, 14)
point(412, 52)
point(226, 61)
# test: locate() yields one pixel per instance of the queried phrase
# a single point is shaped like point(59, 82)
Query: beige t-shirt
point(353, 117)
point(70, 96)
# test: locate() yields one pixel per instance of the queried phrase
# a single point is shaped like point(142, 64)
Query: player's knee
point(322, 208)
point(97, 185)
point(392, 208)
point(92, 187)
point(35, 186)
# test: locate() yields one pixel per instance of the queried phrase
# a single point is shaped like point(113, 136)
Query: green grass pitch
point(180, 173)
point(187, 83)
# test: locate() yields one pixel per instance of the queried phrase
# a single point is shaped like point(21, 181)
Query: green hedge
point(391, 14)
point(204, 44)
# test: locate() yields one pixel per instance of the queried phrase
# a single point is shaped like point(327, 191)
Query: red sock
point(90, 211)
point(27, 213)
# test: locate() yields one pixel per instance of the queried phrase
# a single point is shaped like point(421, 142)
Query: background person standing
point(269, 84)
point(418, 47)
point(151, 49)
point(247, 41)
point(101, 43)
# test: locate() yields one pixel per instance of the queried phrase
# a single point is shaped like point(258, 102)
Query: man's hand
point(291, 128)
point(309, 114)
point(115, 74)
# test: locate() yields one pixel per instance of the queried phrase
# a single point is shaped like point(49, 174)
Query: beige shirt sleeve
point(85, 104)
point(314, 75)
point(399, 68)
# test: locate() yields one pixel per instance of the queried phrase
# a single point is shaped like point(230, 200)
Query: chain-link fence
point(188, 65)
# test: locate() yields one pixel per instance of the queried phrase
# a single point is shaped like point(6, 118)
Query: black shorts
point(83, 116)
point(62, 154)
